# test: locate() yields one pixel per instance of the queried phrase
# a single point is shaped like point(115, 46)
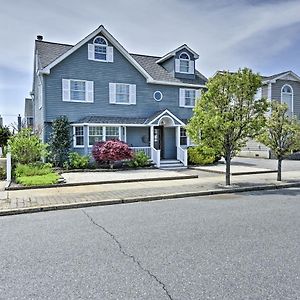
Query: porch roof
point(150, 120)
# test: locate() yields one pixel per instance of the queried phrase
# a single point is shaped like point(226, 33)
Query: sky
point(227, 34)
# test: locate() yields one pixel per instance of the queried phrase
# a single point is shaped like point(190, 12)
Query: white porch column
point(177, 136)
point(8, 167)
point(152, 136)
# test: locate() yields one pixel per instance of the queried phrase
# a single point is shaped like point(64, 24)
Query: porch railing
point(155, 156)
point(146, 150)
point(182, 155)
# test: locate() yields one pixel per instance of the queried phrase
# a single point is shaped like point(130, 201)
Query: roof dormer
point(180, 62)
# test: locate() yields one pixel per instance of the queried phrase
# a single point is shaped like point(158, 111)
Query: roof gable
point(288, 75)
point(173, 53)
point(51, 54)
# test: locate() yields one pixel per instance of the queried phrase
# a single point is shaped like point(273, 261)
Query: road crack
point(132, 257)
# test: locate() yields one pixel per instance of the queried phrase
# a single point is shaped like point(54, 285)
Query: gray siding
point(77, 66)
point(169, 65)
point(276, 93)
point(135, 136)
point(265, 91)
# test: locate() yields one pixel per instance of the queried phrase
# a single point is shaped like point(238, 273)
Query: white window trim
point(103, 132)
point(74, 137)
point(185, 59)
point(86, 91)
point(197, 94)
point(284, 93)
point(109, 51)
point(113, 94)
point(161, 96)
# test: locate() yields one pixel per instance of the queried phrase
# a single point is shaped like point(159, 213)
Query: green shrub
point(60, 141)
point(77, 161)
point(33, 169)
point(140, 159)
point(47, 179)
point(2, 173)
point(201, 155)
point(26, 147)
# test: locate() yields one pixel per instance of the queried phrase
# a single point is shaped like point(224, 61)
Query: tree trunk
point(228, 161)
point(279, 169)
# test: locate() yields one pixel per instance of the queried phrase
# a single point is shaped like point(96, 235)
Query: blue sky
point(227, 34)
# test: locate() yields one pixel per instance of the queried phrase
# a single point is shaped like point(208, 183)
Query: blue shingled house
point(107, 93)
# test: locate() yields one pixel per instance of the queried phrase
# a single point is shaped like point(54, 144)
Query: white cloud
point(226, 33)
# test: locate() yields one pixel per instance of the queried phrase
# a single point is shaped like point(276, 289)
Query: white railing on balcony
point(146, 150)
point(155, 156)
point(182, 155)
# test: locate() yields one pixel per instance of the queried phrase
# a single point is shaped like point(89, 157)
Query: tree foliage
point(281, 134)
point(60, 141)
point(227, 114)
point(4, 135)
point(111, 151)
point(26, 147)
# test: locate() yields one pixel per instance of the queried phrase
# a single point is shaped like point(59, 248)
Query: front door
point(158, 139)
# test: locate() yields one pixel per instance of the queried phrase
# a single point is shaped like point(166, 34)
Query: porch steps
point(169, 164)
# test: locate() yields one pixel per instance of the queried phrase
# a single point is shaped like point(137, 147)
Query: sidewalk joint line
point(132, 257)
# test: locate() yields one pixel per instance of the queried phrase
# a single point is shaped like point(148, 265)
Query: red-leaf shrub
point(111, 151)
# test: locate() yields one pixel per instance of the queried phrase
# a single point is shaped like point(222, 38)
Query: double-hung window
point(112, 133)
point(100, 51)
point(187, 97)
point(95, 135)
point(78, 136)
point(122, 93)
point(184, 64)
point(77, 90)
point(287, 98)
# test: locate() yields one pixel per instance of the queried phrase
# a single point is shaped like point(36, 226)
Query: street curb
point(234, 173)
point(147, 198)
point(20, 188)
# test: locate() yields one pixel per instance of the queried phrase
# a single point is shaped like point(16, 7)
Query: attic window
point(99, 50)
point(184, 64)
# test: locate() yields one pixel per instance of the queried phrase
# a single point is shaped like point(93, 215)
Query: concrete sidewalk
point(80, 196)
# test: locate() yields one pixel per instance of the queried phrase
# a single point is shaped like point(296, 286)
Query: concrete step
point(169, 164)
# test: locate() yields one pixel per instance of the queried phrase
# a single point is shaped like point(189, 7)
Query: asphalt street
point(235, 246)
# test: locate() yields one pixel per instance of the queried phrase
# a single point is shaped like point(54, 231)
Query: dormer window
point(184, 64)
point(99, 50)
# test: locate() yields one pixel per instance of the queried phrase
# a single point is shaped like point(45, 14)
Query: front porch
point(161, 137)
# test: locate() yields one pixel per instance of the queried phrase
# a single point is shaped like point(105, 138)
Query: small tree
point(4, 135)
point(281, 134)
point(227, 114)
point(60, 141)
point(111, 151)
point(26, 147)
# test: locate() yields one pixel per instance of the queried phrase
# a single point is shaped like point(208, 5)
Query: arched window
point(100, 46)
point(287, 97)
point(184, 63)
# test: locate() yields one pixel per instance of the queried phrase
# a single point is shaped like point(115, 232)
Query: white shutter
point(132, 94)
point(91, 52)
point(89, 91)
point(66, 90)
point(181, 97)
point(191, 67)
point(177, 65)
point(112, 92)
point(110, 54)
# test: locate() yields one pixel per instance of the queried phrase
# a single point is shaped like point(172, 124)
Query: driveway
point(222, 247)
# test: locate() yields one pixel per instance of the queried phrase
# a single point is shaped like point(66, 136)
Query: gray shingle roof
point(48, 52)
point(274, 76)
point(157, 72)
point(111, 120)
